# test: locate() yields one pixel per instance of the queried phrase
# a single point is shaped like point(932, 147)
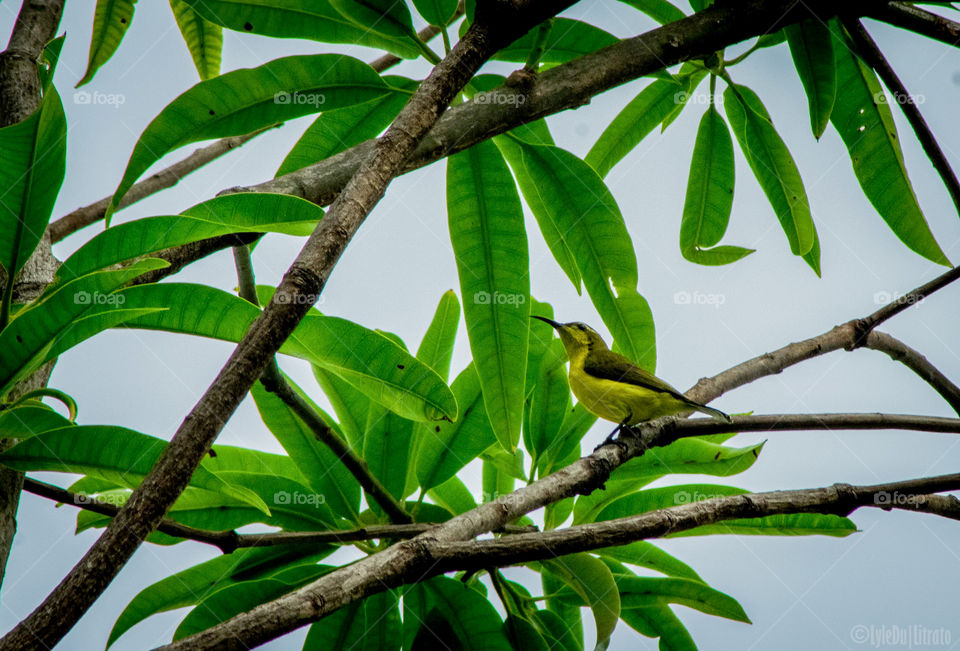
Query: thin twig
point(912, 359)
point(868, 50)
point(274, 382)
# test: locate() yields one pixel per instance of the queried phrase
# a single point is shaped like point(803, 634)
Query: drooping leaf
point(111, 19)
point(863, 119)
point(593, 582)
point(706, 209)
point(689, 456)
point(203, 38)
point(190, 586)
point(660, 621)
point(549, 402)
point(32, 168)
point(349, 404)
point(582, 225)
point(642, 591)
point(444, 607)
point(247, 212)
point(436, 12)
point(772, 165)
point(812, 52)
point(655, 103)
point(245, 100)
point(316, 20)
point(646, 554)
point(490, 245)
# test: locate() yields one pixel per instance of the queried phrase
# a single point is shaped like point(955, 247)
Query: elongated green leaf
point(31, 172)
point(660, 621)
point(454, 496)
point(311, 19)
point(706, 209)
point(371, 624)
point(31, 337)
point(490, 244)
point(812, 52)
point(111, 19)
point(569, 616)
point(338, 130)
point(863, 119)
point(386, 17)
point(642, 591)
point(232, 213)
point(448, 447)
point(192, 585)
point(592, 580)
point(47, 65)
point(567, 39)
point(116, 454)
point(646, 554)
point(660, 10)
point(576, 423)
point(235, 599)
point(549, 402)
point(436, 12)
point(689, 456)
point(203, 38)
point(444, 607)
point(653, 105)
point(245, 100)
point(387, 448)
point(322, 469)
point(350, 405)
point(369, 361)
point(436, 349)
point(772, 165)
point(581, 222)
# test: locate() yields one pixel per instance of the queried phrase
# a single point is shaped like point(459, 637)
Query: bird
point(612, 387)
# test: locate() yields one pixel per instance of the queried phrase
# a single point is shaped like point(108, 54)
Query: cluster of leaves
point(511, 407)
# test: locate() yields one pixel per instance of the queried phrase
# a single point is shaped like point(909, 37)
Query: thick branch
point(915, 19)
point(912, 359)
point(496, 25)
point(869, 52)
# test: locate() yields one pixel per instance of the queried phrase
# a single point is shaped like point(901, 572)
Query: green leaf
point(558, 635)
point(582, 224)
point(370, 624)
point(436, 349)
point(660, 621)
point(436, 12)
point(567, 40)
point(447, 447)
point(490, 245)
point(568, 615)
point(116, 454)
point(653, 105)
point(350, 405)
point(453, 495)
point(49, 325)
point(235, 599)
point(338, 130)
point(316, 20)
point(387, 450)
point(863, 119)
point(31, 173)
point(772, 165)
point(706, 209)
point(367, 360)
point(232, 213)
point(643, 591)
point(322, 469)
point(660, 10)
point(245, 100)
point(192, 585)
point(593, 582)
point(576, 423)
point(111, 19)
point(689, 456)
point(812, 52)
point(648, 555)
point(47, 65)
point(28, 419)
point(443, 612)
point(549, 402)
point(203, 38)
point(387, 17)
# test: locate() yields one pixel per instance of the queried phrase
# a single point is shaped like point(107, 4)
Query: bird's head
point(576, 337)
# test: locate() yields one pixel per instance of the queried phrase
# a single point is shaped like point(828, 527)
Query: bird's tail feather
point(714, 413)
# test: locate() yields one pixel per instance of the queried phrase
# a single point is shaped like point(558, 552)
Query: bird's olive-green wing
point(608, 365)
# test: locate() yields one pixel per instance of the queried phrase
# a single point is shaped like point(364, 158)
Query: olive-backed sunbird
point(612, 387)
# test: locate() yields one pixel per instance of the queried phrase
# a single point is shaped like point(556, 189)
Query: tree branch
point(915, 19)
point(912, 359)
point(274, 382)
point(867, 48)
point(496, 24)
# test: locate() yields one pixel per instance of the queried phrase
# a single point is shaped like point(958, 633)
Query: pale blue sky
point(801, 593)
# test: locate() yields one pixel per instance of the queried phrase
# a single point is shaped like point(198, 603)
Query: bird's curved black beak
point(546, 320)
